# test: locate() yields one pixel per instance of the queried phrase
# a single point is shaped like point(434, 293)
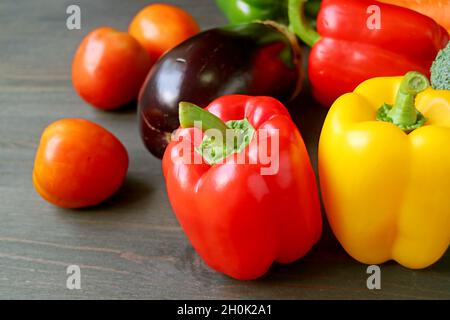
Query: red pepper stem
point(298, 23)
point(191, 115)
point(235, 134)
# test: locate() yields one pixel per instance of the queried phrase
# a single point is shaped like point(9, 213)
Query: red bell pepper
point(349, 48)
point(239, 220)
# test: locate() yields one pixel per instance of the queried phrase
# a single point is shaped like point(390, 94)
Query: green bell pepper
point(241, 11)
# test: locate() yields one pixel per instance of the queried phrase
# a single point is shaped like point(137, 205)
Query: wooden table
point(132, 246)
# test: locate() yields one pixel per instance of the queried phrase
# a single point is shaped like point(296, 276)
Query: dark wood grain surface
point(132, 246)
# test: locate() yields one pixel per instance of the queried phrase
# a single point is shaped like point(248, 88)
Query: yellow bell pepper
point(385, 172)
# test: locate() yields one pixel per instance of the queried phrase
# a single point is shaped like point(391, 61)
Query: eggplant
point(260, 59)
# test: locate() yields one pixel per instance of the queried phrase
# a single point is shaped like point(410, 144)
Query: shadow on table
point(129, 108)
point(130, 194)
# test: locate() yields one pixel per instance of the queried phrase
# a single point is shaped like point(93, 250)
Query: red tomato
point(109, 68)
point(78, 164)
point(160, 27)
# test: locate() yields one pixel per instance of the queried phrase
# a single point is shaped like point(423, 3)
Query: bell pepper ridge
point(439, 10)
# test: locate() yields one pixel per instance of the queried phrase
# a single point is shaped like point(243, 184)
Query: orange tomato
point(78, 164)
point(109, 68)
point(161, 27)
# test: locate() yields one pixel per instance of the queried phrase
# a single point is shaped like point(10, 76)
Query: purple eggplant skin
point(259, 59)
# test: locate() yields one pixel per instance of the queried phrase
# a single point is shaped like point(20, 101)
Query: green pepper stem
point(298, 23)
point(189, 114)
point(404, 112)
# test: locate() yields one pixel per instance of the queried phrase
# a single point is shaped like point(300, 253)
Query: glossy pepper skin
point(386, 191)
point(438, 10)
point(346, 52)
point(253, 59)
point(238, 220)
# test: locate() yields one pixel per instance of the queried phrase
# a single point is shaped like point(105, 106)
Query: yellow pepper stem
point(404, 113)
